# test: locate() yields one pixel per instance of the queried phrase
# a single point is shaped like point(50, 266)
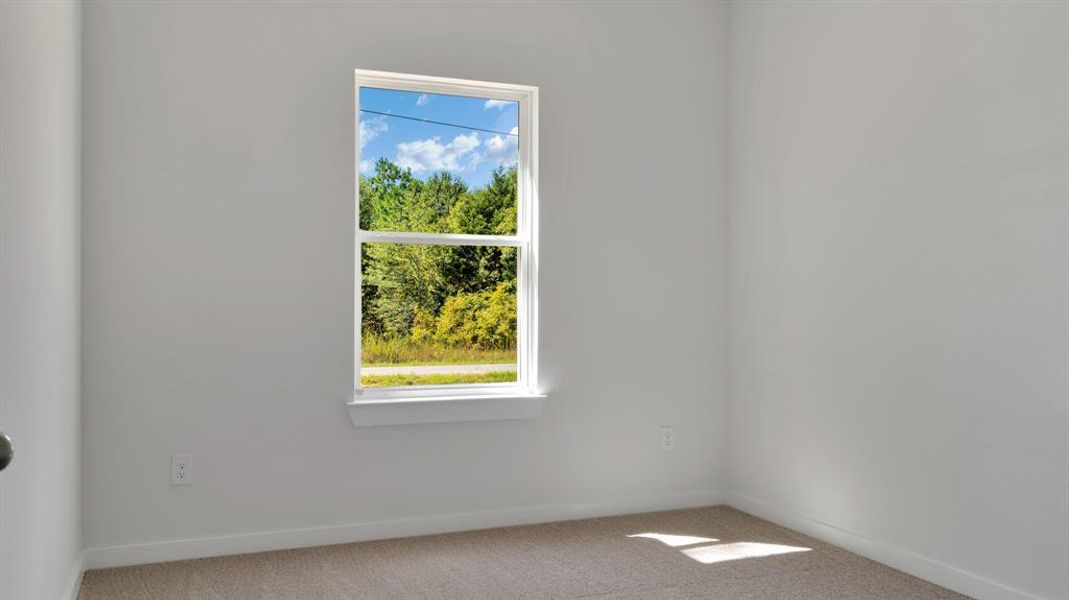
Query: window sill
point(446, 409)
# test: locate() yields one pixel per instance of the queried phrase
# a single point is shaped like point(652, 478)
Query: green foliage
point(405, 279)
point(423, 327)
point(484, 320)
point(490, 210)
point(448, 296)
point(383, 196)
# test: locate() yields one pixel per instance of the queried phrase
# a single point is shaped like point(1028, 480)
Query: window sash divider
point(442, 239)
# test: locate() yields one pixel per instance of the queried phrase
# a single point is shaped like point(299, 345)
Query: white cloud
point(371, 128)
point(498, 104)
point(501, 149)
point(367, 167)
point(431, 155)
point(422, 100)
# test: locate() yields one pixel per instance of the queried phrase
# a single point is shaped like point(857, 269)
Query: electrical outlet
point(181, 469)
point(668, 437)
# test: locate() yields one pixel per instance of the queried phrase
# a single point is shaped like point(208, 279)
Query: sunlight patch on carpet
point(724, 552)
point(673, 540)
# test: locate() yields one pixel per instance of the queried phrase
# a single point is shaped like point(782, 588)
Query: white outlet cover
point(181, 469)
point(668, 437)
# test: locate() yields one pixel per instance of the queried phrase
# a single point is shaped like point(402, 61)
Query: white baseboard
point(74, 582)
point(923, 567)
point(182, 549)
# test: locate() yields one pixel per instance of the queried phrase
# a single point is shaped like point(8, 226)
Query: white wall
point(218, 264)
point(900, 278)
point(40, 510)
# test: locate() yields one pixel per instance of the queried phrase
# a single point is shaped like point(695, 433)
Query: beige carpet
point(597, 559)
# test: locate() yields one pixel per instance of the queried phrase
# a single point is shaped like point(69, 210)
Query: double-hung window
point(446, 249)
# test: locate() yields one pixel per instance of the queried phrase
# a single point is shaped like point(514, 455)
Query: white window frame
point(464, 402)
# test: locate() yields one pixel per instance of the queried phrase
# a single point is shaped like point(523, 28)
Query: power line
point(375, 112)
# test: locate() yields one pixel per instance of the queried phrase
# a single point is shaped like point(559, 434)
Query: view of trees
point(433, 304)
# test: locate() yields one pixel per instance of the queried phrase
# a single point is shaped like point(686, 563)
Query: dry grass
point(379, 351)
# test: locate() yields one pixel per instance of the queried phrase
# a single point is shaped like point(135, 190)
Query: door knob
point(7, 451)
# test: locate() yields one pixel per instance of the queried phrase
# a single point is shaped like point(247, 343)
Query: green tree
point(406, 289)
point(384, 196)
point(485, 320)
point(487, 211)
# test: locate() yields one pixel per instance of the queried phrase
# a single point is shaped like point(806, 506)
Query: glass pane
point(437, 315)
point(437, 163)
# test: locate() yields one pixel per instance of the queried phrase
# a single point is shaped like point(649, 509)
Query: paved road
point(436, 369)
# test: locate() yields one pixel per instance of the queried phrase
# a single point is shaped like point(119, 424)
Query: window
point(446, 261)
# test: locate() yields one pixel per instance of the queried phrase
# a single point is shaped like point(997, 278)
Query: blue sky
point(429, 148)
